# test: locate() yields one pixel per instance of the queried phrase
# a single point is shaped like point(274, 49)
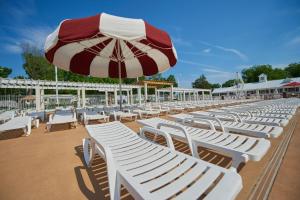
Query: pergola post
point(78, 98)
point(116, 96)
point(42, 99)
point(171, 92)
point(131, 97)
point(155, 91)
point(37, 98)
point(83, 97)
point(127, 96)
point(106, 98)
point(202, 95)
point(140, 95)
point(146, 92)
point(183, 95)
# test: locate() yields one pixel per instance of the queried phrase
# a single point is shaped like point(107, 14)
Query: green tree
point(202, 83)
point(229, 83)
point(251, 74)
point(215, 85)
point(5, 72)
point(171, 78)
point(293, 70)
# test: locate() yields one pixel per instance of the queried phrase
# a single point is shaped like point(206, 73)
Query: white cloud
point(195, 63)
point(294, 41)
point(181, 42)
point(35, 36)
point(218, 76)
point(231, 50)
point(206, 50)
point(13, 48)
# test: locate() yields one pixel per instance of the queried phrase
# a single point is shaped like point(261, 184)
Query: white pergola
point(186, 94)
point(183, 94)
point(40, 85)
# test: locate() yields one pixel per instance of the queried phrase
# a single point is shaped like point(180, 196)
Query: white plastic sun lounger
point(119, 115)
point(146, 113)
point(161, 109)
point(18, 123)
point(6, 115)
point(233, 116)
point(62, 117)
point(241, 148)
point(254, 130)
point(153, 172)
point(93, 115)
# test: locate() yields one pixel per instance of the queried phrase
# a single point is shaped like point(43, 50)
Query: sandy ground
point(50, 166)
point(287, 184)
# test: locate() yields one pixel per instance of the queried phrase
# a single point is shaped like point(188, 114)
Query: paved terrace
point(50, 166)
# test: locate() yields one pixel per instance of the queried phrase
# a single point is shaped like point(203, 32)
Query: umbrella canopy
point(96, 45)
point(292, 84)
point(110, 46)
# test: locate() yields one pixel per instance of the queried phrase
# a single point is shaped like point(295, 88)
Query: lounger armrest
point(236, 116)
point(195, 120)
point(192, 146)
point(231, 114)
point(211, 118)
point(155, 131)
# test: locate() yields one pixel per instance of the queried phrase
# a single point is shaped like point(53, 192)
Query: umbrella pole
point(120, 84)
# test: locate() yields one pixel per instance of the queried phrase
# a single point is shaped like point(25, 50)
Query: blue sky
point(214, 38)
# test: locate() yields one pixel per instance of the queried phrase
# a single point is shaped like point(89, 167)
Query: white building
point(263, 88)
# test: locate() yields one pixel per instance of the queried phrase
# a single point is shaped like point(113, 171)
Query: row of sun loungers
point(150, 171)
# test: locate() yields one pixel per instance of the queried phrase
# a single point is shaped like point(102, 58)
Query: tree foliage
point(251, 74)
point(202, 83)
point(293, 70)
point(171, 78)
point(5, 72)
point(229, 83)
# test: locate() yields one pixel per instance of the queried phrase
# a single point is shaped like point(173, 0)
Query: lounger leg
point(48, 127)
point(114, 184)
point(27, 130)
point(88, 156)
point(237, 160)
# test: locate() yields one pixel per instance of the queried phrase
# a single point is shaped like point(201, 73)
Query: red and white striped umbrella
point(110, 46)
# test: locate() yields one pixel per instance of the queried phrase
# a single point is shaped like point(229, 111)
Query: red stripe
point(113, 67)
point(113, 70)
point(80, 63)
point(149, 65)
point(168, 52)
point(157, 36)
point(78, 29)
point(50, 53)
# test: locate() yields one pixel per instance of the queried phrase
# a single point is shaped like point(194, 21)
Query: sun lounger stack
point(151, 171)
